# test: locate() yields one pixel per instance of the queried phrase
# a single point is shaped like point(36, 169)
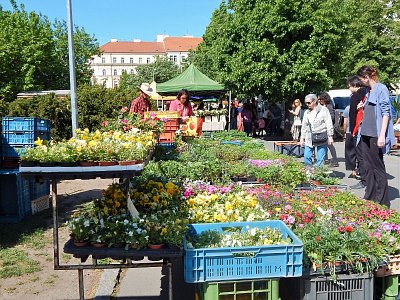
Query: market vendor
point(142, 103)
point(182, 105)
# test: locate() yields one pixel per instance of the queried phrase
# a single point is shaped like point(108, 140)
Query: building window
point(132, 72)
point(148, 60)
point(104, 72)
point(114, 60)
point(131, 60)
point(122, 60)
point(173, 58)
point(115, 72)
point(140, 60)
point(103, 60)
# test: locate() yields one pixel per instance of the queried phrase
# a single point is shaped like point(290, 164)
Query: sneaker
point(326, 162)
point(357, 186)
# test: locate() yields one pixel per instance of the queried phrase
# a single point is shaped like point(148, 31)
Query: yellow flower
point(38, 142)
point(277, 209)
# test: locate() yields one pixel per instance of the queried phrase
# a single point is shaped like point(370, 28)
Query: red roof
point(132, 47)
point(170, 44)
point(181, 43)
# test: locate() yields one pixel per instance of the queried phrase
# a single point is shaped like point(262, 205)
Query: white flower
point(86, 223)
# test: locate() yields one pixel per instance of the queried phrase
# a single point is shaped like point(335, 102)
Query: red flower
point(318, 238)
point(307, 220)
point(349, 228)
point(341, 229)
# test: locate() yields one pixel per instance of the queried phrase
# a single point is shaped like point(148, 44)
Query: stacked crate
point(19, 133)
point(21, 196)
point(171, 124)
point(15, 201)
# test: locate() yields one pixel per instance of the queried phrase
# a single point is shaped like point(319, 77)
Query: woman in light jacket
point(316, 119)
point(377, 135)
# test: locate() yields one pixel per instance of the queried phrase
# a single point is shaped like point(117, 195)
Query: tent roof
point(192, 80)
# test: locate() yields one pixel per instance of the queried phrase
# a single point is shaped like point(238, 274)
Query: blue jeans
point(321, 152)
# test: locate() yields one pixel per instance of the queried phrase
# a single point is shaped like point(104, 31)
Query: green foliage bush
point(95, 104)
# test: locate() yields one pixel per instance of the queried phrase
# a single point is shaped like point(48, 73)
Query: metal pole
point(229, 110)
point(72, 76)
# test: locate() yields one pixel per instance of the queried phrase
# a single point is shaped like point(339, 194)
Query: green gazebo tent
point(194, 81)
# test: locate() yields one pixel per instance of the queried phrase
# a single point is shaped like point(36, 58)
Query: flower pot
point(107, 163)
point(99, 245)
point(88, 163)
point(47, 164)
point(127, 162)
point(68, 164)
point(81, 243)
point(155, 246)
point(26, 163)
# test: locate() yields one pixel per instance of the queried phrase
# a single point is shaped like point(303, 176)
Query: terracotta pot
point(155, 246)
point(99, 245)
point(107, 163)
point(81, 243)
point(127, 162)
point(88, 163)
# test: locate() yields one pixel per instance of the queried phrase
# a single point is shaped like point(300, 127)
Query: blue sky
point(126, 20)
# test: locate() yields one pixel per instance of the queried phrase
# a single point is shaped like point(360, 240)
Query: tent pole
point(229, 110)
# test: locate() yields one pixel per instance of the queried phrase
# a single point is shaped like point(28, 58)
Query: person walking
point(353, 154)
point(377, 135)
point(325, 100)
point(316, 130)
point(296, 126)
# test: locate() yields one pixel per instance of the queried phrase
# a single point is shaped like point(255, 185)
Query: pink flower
point(124, 109)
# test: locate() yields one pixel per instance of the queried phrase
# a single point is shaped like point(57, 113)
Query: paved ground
point(152, 283)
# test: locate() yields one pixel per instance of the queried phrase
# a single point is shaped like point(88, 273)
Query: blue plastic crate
point(25, 124)
point(39, 188)
point(15, 202)
point(24, 138)
point(252, 262)
point(169, 146)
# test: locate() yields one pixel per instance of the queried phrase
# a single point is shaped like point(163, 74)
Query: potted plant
point(81, 228)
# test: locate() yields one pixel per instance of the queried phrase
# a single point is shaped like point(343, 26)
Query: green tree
point(85, 47)
point(34, 53)
point(287, 48)
point(162, 69)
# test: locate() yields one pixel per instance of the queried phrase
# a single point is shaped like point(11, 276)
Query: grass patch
point(35, 239)
point(15, 262)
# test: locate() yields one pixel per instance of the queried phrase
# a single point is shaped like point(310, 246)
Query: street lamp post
point(72, 76)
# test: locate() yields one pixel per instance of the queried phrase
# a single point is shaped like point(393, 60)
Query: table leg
point(81, 286)
point(170, 292)
point(55, 222)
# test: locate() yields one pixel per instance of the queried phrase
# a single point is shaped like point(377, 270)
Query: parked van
point(341, 98)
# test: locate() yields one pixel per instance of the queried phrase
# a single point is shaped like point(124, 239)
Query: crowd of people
point(367, 124)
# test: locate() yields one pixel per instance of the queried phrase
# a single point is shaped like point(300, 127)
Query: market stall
point(201, 87)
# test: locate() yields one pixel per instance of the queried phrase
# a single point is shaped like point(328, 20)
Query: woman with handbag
point(316, 130)
point(296, 127)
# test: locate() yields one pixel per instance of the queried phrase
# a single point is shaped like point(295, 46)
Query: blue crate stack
point(17, 192)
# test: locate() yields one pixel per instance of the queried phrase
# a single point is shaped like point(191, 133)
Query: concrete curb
point(107, 283)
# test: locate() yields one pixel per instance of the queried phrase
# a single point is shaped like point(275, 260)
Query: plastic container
point(14, 197)
point(25, 124)
point(40, 204)
point(267, 289)
point(39, 188)
point(166, 137)
point(24, 138)
point(346, 287)
point(240, 263)
point(171, 125)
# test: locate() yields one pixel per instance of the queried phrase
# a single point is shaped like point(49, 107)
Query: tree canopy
point(288, 48)
point(34, 53)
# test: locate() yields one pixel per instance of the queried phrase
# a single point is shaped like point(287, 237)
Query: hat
point(146, 88)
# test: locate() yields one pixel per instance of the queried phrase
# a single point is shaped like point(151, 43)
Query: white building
point(121, 56)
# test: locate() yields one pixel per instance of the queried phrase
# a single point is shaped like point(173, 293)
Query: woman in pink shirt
point(182, 104)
